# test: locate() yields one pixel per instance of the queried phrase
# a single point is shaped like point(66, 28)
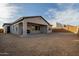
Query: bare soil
point(55, 44)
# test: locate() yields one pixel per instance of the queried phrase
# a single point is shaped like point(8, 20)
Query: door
point(8, 29)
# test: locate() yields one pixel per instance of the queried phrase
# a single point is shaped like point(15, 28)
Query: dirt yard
point(55, 44)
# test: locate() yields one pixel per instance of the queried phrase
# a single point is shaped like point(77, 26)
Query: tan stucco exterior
point(73, 29)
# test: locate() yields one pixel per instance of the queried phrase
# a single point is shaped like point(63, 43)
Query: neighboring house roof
point(22, 18)
point(6, 24)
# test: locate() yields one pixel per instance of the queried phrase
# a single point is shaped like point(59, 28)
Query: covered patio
point(33, 28)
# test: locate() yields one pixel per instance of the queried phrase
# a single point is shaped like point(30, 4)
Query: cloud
point(68, 15)
point(65, 5)
point(7, 12)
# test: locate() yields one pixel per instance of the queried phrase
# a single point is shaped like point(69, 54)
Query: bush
point(1, 31)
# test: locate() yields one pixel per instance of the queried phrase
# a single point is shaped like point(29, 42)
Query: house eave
point(22, 18)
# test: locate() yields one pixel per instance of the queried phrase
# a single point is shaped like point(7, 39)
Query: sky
point(64, 13)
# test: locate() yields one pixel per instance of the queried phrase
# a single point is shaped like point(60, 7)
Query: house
point(57, 25)
point(6, 27)
point(73, 29)
point(28, 25)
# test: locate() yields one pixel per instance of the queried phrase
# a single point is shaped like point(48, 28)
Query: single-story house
point(57, 25)
point(71, 28)
point(28, 25)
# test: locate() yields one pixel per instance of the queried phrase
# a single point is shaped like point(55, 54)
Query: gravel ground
point(55, 44)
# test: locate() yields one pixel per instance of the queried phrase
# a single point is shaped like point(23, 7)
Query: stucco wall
point(37, 20)
point(15, 28)
point(49, 29)
point(70, 28)
point(5, 28)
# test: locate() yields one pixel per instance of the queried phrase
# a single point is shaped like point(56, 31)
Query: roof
point(6, 24)
point(22, 18)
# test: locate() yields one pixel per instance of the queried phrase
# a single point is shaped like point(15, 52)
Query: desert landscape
point(54, 44)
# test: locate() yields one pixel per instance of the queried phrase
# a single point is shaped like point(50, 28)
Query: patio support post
point(24, 28)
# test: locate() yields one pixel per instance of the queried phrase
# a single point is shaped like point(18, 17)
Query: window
point(37, 27)
point(13, 27)
point(49, 28)
point(16, 28)
point(64, 25)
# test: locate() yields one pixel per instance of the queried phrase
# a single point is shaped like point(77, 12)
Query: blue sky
point(52, 12)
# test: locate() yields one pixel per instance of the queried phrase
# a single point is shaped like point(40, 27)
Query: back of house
point(28, 25)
